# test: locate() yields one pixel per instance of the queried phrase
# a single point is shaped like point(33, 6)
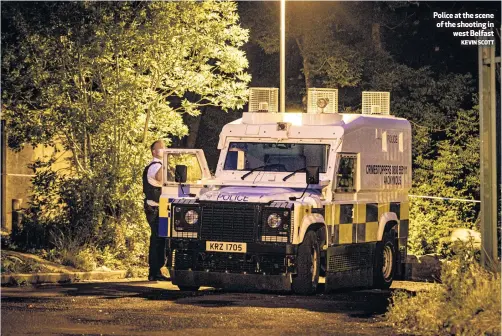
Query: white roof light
point(263, 100)
point(322, 100)
point(376, 102)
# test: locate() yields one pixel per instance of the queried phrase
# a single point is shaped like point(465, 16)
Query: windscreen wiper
point(261, 167)
point(293, 173)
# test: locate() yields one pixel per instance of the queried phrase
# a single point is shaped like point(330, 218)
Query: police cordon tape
point(446, 198)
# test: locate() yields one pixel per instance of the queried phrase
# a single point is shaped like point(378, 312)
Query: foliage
point(334, 40)
point(426, 98)
point(453, 171)
point(466, 303)
point(194, 171)
point(13, 264)
point(102, 81)
point(309, 29)
point(208, 137)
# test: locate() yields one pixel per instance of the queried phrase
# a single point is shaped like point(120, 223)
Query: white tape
point(446, 198)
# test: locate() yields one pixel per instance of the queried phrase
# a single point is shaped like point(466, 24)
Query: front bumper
point(231, 281)
point(191, 265)
point(263, 248)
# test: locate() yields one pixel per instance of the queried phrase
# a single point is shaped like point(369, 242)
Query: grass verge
point(466, 303)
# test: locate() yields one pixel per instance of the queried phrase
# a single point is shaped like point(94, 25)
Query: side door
point(197, 172)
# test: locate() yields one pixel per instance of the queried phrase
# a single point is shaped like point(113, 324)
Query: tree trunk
point(306, 66)
point(376, 37)
point(193, 126)
point(306, 73)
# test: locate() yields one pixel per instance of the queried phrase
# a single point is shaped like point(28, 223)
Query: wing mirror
point(180, 174)
point(312, 175)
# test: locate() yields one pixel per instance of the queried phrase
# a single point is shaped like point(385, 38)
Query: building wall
point(16, 176)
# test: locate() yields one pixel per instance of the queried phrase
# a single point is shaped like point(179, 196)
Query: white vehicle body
point(365, 175)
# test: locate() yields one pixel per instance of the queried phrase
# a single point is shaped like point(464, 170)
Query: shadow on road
point(354, 303)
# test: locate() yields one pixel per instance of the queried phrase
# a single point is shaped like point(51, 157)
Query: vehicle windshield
point(282, 157)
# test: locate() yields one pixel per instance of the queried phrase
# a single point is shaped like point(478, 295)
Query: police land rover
point(295, 196)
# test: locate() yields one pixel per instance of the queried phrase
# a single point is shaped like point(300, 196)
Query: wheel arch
point(312, 222)
point(388, 221)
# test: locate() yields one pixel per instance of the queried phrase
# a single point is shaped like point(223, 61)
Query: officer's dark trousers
point(156, 255)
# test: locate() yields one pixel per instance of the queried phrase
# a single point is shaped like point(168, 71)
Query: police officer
point(152, 188)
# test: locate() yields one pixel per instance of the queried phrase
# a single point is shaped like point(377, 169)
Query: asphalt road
point(159, 308)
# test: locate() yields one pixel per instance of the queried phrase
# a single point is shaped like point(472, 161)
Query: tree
point(453, 172)
point(106, 79)
point(309, 29)
point(334, 40)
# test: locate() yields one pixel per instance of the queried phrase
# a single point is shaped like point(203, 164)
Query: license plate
point(213, 246)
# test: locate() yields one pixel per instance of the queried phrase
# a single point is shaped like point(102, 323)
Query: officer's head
point(156, 149)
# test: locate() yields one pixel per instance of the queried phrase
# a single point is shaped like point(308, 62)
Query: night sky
point(425, 44)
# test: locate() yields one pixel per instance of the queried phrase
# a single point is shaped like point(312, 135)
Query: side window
point(236, 159)
point(194, 172)
point(346, 174)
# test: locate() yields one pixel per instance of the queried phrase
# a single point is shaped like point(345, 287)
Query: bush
point(466, 303)
point(432, 223)
point(445, 164)
point(13, 264)
point(84, 223)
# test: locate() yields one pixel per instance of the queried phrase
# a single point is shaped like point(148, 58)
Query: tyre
point(308, 265)
point(385, 261)
point(188, 288)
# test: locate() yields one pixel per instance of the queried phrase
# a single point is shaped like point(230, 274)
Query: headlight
point(191, 217)
point(274, 220)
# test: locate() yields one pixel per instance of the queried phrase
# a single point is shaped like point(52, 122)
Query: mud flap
point(350, 266)
point(401, 255)
point(400, 263)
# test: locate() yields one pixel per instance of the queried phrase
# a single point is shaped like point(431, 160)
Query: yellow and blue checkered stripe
point(404, 221)
point(358, 222)
point(164, 217)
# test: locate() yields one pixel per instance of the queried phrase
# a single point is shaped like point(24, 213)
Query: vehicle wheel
point(385, 261)
point(188, 288)
point(308, 264)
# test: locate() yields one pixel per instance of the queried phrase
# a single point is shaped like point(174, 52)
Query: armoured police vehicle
point(295, 196)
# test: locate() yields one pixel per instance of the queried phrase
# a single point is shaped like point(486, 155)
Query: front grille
point(182, 260)
point(230, 222)
point(241, 263)
point(273, 264)
point(228, 262)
